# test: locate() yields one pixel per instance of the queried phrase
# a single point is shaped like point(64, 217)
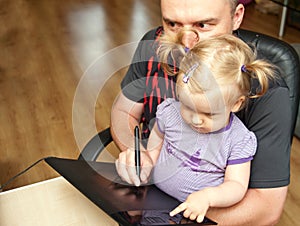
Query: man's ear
point(238, 16)
point(238, 104)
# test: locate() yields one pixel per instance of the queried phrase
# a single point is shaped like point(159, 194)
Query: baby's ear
point(238, 104)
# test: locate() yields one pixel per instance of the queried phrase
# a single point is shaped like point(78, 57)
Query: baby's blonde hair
point(223, 60)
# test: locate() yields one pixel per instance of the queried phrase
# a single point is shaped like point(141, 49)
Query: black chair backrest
point(284, 56)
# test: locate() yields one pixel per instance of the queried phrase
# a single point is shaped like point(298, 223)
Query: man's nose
point(189, 38)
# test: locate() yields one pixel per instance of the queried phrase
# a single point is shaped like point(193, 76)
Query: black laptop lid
point(127, 204)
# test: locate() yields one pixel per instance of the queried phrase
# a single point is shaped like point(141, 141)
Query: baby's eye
point(210, 114)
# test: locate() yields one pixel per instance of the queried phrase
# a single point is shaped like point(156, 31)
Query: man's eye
point(171, 24)
point(201, 25)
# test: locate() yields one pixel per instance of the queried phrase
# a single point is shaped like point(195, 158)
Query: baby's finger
point(200, 218)
point(193, 216)
point(187, 213)
point(178, 209)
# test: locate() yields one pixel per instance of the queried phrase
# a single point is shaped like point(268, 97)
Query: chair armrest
point(95, 146)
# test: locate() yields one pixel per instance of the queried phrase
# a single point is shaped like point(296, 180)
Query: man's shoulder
point(148, 44)
point(153, 34)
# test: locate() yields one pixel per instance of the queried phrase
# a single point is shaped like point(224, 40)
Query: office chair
point(296, 46)
point(274, 50)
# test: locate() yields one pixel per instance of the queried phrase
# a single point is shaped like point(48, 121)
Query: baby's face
point(205, 112)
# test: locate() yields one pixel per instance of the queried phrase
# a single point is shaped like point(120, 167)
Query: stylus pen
point(137, 150)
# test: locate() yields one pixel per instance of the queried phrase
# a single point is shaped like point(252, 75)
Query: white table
point(53, 202)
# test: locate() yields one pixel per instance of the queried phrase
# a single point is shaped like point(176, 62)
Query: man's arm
point(125, 115)
point(257, 208)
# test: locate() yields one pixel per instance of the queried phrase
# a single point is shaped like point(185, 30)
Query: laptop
point(126, 204)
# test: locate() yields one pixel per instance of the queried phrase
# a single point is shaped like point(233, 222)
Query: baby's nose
point(197, 120)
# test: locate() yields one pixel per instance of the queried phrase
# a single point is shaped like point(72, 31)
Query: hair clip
point(243, 68)
point(189, 73)
point(186, 49)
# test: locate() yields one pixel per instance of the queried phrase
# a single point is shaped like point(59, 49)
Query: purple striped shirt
point(190, 161)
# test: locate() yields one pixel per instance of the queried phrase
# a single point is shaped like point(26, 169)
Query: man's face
point(208, 18)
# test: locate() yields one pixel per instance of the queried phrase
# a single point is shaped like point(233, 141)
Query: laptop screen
point(126, 204)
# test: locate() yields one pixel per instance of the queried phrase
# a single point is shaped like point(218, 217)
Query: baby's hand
point(195, 207)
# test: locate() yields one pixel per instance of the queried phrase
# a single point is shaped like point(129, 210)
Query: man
point(146, 85)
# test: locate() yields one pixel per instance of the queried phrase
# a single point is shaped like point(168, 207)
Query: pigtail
point(170, 53)
point(262, 72)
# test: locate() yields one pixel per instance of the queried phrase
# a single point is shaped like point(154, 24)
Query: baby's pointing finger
point(178, 209)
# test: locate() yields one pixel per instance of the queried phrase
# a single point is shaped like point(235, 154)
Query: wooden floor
point(53, 52)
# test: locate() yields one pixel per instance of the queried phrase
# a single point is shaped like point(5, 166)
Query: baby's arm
point(155, 143)
point(227, 194)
